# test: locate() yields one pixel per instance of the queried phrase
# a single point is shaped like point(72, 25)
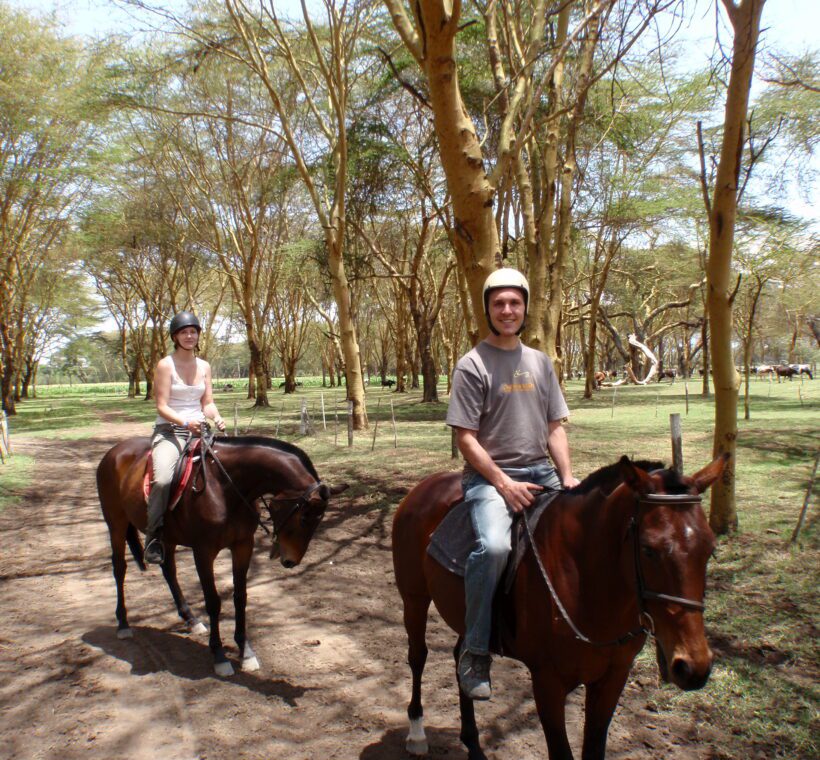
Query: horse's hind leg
point(204, 560)
point(169, 570)
point(241, 559)
point(469, 729)
point(118, 566)
point(415, 623)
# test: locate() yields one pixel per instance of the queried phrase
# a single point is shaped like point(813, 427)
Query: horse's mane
point(271, 443)
point(607, 478)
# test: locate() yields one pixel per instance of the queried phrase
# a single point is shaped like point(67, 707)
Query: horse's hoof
point(125, 633)
point(198, 628)
point(224, 669)
point(416, 746)
point(250, 664)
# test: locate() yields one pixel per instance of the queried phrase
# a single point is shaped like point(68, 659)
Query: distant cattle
point(227, 387)
point(283, 383)
point(790, 370)
point(601, 375)
point(802, 369)
point(670, 373)
point(388, 383)
point(763, 370)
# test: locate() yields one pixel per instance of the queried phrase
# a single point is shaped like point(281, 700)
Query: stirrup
point(155, 551)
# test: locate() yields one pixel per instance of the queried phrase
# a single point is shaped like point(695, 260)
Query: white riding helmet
point(505, 278)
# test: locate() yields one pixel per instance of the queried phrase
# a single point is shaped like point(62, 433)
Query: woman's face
point(186, 338)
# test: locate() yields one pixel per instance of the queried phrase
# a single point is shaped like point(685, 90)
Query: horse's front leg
point(169, 570)
point(204, 560)
point(241, 558)
point(550, 701)
point(601, 701)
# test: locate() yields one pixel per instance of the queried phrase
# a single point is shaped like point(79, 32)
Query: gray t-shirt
point(509, 397)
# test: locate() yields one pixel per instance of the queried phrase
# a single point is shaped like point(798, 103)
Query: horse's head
point(671, 545)
point(295, 519)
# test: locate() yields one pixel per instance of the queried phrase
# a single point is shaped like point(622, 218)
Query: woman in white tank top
point(184, 399)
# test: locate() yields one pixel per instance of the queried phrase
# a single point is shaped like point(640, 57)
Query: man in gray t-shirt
point(507, 408)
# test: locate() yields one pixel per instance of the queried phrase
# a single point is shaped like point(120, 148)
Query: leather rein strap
point(646, 626)
point(299, 501)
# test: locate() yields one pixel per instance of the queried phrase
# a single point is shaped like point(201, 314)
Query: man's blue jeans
point(492, 523)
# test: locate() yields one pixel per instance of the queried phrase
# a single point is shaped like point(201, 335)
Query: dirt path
point(333, 682)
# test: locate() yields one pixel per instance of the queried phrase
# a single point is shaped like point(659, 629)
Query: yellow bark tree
point(722, 211)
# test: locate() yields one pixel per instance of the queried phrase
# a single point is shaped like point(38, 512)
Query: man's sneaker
point(155, 552)
point(474, 675)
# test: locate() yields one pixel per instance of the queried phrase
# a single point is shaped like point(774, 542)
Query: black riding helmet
point(182, 320)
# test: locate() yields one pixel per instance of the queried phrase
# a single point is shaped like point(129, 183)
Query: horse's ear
point(634, 477)
point(334, 490)
point(709, 474)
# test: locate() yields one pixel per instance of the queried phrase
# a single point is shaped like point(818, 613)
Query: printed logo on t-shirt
point(520, 375)
point(517, 387)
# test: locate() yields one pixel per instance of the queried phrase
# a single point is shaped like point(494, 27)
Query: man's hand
point(518, 494)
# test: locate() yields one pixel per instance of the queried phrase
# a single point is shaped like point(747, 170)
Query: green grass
point(762, 614)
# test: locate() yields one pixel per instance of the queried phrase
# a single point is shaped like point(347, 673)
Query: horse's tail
point(134, 543)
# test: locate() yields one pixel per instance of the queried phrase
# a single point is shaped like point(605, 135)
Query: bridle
point(634, 526)
point(299, 502)
point(646, 625)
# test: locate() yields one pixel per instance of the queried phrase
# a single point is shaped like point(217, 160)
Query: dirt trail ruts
point(334, 683)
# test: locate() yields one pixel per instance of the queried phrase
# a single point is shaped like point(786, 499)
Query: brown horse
point(615, 561)
point(219, 512)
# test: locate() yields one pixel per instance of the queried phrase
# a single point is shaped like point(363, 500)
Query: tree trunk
point(745, 19)
point(258, 374)
point(459, 147)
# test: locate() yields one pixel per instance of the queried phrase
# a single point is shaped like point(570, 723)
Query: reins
point(299, 501)
point(646, 625)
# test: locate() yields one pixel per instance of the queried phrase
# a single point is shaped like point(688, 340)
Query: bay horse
point(619, 557)
point(219, 512)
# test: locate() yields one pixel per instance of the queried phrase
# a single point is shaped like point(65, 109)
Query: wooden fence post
point(305, 426)
point(278, 422)
point(235, 419)
point(393, 418)
point(324, 421)
point(5, 438)
point(376, 426)
point(350, 423)
point(677, 443)
point(799, 525)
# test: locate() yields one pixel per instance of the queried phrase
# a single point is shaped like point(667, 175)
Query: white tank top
point(185, 399)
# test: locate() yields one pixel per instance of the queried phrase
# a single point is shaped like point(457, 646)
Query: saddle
point(454, 539)
point(182, 473)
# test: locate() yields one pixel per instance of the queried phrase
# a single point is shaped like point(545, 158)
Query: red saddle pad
point(181, 477)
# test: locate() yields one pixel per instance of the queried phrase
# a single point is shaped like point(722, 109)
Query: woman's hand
point(220, 424)
point(194, 426)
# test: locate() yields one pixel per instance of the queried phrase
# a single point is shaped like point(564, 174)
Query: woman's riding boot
point(154, 548)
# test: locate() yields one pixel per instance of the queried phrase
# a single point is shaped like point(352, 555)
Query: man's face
point(507, 309)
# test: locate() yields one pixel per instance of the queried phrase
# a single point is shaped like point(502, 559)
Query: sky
point(789, 24)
